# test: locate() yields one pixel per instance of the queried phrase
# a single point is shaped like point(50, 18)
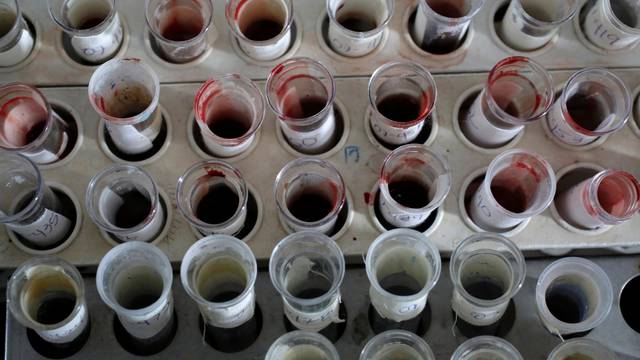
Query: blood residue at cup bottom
point(358, 22)
point(588, 111)
point(611, 196)
point(304, 107)
point(22, 120)
point(448, 8)
point(400, 107)
point(409, 193)
point(218, 205)
point(512, 198)
point(181, 23)
point(229, 125)
point(262, 29)
point(309, 206)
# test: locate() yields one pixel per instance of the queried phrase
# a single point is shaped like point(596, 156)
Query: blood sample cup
point(518, 91)
point(179, 27)
point(402, 267)
point(441, 25)
point(356, 27)
point(28, 206)
point(593, 103)
point(229, 111)
point(310, 194)
point(46, 294)
point(414, 181)
point(402, 95)
point(29, 125)
point(610, 197)
point(125, 93)
point(212, 196)
point(301, 92)
point(123, 201)
point(581, 348)
point(262, 28)
point(307, 268)
point(531, 24)
point(487, 271)
point(302, 345)
point(93, 27)
point(573, 296)
point(518, 185)
point(486, 347)
point(16, 42)
point(134, 280)
point(397, 344)
point(613, 24)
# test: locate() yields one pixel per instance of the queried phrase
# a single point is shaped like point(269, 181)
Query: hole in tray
point(146, 347)
point(236, 339)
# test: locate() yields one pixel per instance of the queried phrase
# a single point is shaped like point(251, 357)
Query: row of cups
point(307, 268)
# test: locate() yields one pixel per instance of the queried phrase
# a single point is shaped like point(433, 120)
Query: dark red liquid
point(586, 111)
point(134, 209)
point(218, 205)
point(357, 22)
point(181, 25)
point(229, 126)
point(35, 131)
point(446, 8)
point(513, 199)
point(409, 193)
point(485, 290)
point(55, 309)
point(306, 107)
point(90, 23)
point(262, 30)
point(400, 107)
point(310, 206)
point(567, 303)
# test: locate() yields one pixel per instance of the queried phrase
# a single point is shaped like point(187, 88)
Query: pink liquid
point(22, 120)
point(611, 196)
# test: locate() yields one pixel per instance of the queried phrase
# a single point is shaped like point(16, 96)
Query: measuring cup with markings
point(302, 345)
point(612, 24)
point(16, 41)
point(397, 344)
point(486, 347)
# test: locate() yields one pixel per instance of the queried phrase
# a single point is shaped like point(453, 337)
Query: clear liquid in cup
point(221, 279)
point(138, 287)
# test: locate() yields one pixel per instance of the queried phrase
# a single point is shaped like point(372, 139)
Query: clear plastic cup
point(414, 181)
point(301, 92)
point(310, 194)
point(307, 269)
point(302, 345)
point(518, 91)
point(219, 272)
point(134, 280)
point(612, 24)
point(397, 344)
point(487, 271)
point(402, 95)
point(486, 347)
point(402, 266)
point(531, 24)
point(594, 102)
point(125, 93)
point(581, 349)
point(262, 28)
point(610, 197)
point(179, 27)
point(46, 294)
point(123, 201)
point(573, 295)
point(93, 26)
point(29, 125)
point(229, 111)
point(356, 27)
point(441, 25)
point(16, 41)
point(212, 196)
point(519, 184)
point(28, 206)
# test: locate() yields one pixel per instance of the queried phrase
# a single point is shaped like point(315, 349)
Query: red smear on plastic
point(368, 198)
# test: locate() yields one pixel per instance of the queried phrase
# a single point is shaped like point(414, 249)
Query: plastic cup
point(611, 197)
point(307, 268)
point(518, 185)
point(402, 267)
point(46, 294)
point(229, 111)
point(310, 194)
point(612, 24)
point(129, 109)
point(301, 92)
point(28, 206)
point(441, 25)
point(581, 349)
point(486, 347)
point(487, 271)
point(414, 181)
point(518, 91)
point(397, 344)
point(356, 27)
point(573, 295)
point(262, 28)
point(93, 26)
point(29, 126)
point(179, 27)
point(16, 42)
point(531, 24)
point(219, 272)
point(594, 103)
point(134, 280)
point(212, 196)
point(402, 96)
point(302, 345)
point(123, 201)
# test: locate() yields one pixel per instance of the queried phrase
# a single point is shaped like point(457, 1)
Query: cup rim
point(572, 9)
point(362, 34)
point(96, 30)
point(238, 33)
point(473, 10)
point(207, 22)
